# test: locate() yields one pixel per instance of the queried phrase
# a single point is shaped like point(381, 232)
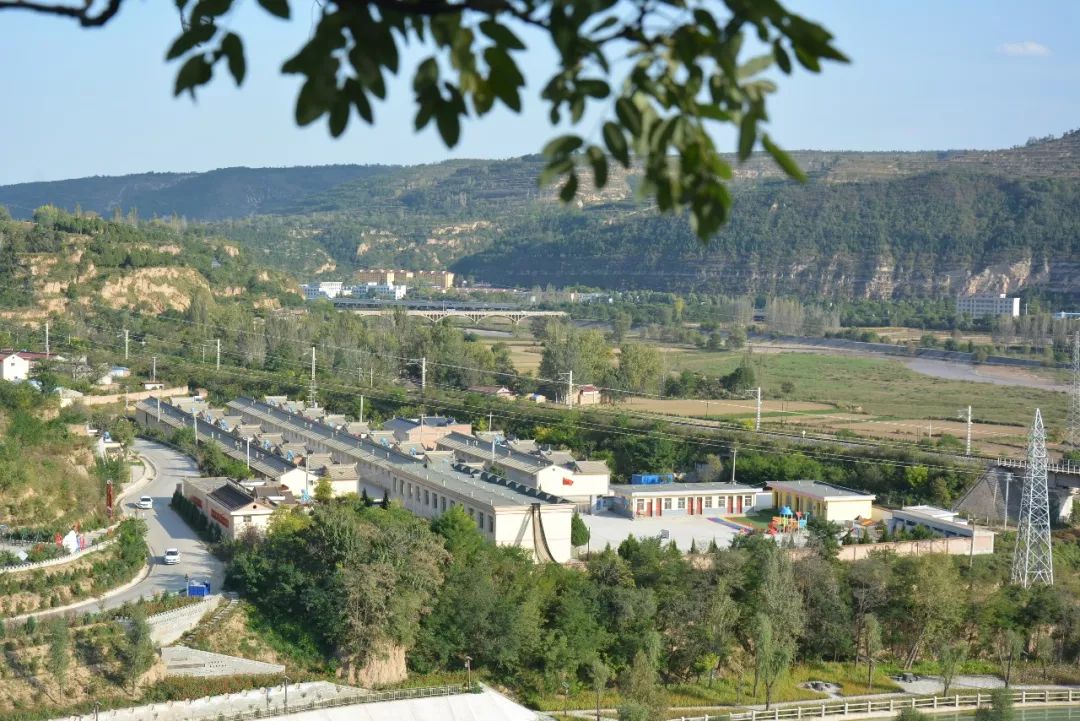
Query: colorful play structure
point(787, 522)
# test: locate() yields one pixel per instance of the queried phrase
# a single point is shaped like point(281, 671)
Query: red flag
point(568, 481)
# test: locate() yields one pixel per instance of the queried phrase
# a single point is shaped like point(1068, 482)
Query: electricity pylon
point(1072, 420)
point(1033, 558)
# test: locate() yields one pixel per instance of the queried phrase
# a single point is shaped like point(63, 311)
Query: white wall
point(15, 368)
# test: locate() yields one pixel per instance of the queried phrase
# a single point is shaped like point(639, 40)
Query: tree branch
point(82, 14)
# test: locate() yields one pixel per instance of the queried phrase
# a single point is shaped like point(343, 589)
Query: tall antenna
point(1033, 558)
point(312, 401)
point(1072, 420)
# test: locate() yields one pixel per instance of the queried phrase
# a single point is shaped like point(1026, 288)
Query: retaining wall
point(132, 397)
point(167, 627)
point(70, 558)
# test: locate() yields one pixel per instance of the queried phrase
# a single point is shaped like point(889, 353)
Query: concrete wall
point(58, 561)
point(168, 627)
point(984, 544)
point(133, 397)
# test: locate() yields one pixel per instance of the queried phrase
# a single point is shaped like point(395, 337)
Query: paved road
point(165, 529)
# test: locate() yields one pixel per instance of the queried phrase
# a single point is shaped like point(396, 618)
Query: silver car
point(145, 502)
point(171, 557)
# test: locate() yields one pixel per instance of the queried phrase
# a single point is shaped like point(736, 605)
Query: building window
point(667, 504)
point(247, 519)
point(682, 504)
point(491, 524)
point(640, 505)
point(427, 499)
point(747, 501)
point(722, 503)
point(708, 501)
point(443, 501)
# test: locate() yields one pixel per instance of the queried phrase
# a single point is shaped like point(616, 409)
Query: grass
point(880, 387)
point(757, 519)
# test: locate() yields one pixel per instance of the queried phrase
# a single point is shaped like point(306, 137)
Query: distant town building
point(326, 289)
point(443, 279)
point(228, 505)
point(497, 391)
point(983, 306)
point(383, 291)
point(587, 395)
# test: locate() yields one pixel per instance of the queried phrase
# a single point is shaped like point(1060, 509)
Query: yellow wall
point(830, 509)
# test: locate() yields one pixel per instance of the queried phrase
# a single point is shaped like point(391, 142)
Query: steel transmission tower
point(1072, 422)
point(1033, 558)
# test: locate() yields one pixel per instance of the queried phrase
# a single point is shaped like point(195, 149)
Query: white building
point(385, 291)
point(982, 306)
point(14, 367)
point(326, 289)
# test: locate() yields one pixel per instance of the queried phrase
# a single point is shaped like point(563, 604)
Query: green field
point(881, 387)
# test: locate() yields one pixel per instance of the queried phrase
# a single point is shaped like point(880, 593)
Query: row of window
point(680, 502)
point(430, 499)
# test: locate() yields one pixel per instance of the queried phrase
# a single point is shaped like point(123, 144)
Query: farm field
point(880, 387)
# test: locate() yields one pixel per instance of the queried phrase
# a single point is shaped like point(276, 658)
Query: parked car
point(171, 557)
point(145, 502)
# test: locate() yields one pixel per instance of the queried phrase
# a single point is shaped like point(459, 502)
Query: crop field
point(703, 408)
point(883, 388)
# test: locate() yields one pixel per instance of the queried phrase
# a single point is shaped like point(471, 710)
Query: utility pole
point(125, 343)
point(46, 339)
point(967, 444)
point(570, 388)
point(757, 415)
point(423, 374)
point(217, 358)
point(195, 426)
point(247, 451)
point(491, 425)
point(361, 409)
point(734, 454)
point(312, 388)
point(1008, 482)
point(153, 368)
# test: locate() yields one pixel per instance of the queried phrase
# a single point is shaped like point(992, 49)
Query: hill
point(66, 264)
point(877, 225)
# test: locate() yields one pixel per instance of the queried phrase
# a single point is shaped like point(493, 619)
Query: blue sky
point(926, 74)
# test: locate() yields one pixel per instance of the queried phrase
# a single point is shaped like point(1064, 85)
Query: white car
point(145, 502)
point(171, 557)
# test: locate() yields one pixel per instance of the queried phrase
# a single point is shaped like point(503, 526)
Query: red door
point(659, 507)
point(648, 508)
point(689, 506)
point(738, 499)
point(700, 505)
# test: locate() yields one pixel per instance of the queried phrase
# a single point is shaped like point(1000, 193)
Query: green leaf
point(190, 38)
point(446, 119)
point(196, 71)
point(569, 189)
point(599, 165)
point(554, 169)
point(501, 35)
point(782, 58)
point(782, 159)
point(747, 135)
point(594, 88)
point(233, 48)
point(629, 115)
point(562, 146)
point(277, 8)
point(309, 105)
point(210, 8)
point(753, 66)
point(339, 116)
point(616, 143)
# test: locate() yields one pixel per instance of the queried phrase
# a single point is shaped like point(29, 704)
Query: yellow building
point(823, 500)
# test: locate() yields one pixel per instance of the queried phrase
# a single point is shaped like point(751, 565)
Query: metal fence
point(885, 707)
point(374, 697)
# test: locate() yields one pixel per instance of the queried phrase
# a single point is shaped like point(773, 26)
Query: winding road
point(165, 529)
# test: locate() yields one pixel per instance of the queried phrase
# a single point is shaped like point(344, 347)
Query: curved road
point(165, 529)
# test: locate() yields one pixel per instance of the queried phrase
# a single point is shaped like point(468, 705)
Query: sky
point(925, 74)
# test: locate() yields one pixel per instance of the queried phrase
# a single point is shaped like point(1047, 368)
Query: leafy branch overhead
point(663, 73)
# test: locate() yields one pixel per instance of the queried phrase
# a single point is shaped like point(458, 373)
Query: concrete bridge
point(515, 316)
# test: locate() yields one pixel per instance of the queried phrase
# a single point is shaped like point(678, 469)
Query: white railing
point(890, 706)
point(68, 558)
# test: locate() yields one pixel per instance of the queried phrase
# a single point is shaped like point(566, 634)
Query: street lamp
point(565, 698)
point(468, 673)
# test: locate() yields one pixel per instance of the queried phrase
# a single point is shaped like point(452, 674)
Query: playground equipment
point(787, 521)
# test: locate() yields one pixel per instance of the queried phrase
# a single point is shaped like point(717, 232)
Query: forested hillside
point(878, 225)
